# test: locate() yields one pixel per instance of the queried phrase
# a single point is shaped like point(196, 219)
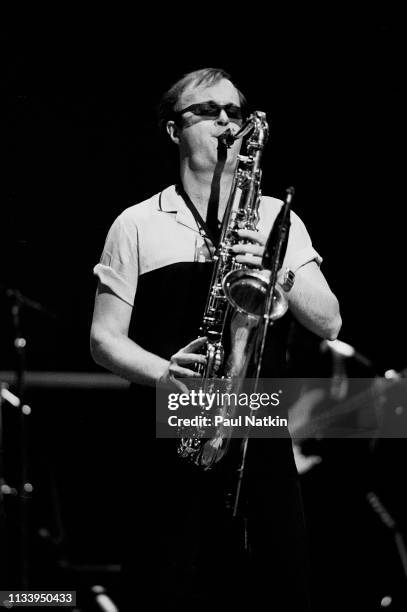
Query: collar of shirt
point(171, 202)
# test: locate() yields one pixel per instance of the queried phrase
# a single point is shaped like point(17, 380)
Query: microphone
point(279, 231)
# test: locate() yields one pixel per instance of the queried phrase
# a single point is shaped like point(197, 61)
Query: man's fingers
point(249, 260)
point(185, 358)
point(180, 372)
point(248, 248)
point(195, 345)
point(252, 235)
point(179, 385)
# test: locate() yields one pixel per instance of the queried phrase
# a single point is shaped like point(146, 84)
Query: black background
point(80, 144)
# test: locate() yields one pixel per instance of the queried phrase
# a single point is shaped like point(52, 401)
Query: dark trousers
point(189, 548)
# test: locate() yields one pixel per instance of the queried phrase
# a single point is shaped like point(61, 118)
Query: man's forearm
point(127, 359)
point(317, 310)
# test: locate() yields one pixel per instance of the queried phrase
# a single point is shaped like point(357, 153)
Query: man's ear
point(173, 131)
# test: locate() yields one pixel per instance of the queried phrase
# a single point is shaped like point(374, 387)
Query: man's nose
point(223, 118)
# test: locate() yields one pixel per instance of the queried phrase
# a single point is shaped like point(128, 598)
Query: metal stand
point(273, 257)
point(377, 506)
point(24, 487)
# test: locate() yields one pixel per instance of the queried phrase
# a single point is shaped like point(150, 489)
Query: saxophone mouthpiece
point(227, 138)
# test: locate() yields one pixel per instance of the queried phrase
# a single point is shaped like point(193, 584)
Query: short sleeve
point(299, 249)
point(118, 266)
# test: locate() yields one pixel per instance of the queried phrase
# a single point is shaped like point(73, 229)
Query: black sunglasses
point(212, 109)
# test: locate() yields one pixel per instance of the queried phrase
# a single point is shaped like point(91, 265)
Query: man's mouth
point(226, 138)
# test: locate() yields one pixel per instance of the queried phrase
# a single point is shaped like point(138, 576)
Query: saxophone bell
point(247, 290)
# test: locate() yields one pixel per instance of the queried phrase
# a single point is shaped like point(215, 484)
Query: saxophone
point(235, 291)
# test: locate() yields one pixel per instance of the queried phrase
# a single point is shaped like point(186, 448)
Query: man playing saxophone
point(153, 282)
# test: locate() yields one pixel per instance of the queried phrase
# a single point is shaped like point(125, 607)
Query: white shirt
point(162, 231)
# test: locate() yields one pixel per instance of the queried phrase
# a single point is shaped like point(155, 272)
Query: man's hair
point(205, 76)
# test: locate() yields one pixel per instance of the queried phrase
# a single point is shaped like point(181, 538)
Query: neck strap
point(213, 233)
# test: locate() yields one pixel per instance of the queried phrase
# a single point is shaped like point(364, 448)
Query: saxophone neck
point(255, 120)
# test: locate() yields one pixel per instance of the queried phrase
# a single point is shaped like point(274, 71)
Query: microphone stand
point(3, 490)
point(388, 521)
point(24, 487)
point(273, 257)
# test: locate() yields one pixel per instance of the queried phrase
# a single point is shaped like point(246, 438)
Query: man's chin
point(214, 159)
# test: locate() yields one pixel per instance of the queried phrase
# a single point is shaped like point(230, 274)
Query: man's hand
point(176, 368)
point(250, 254)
